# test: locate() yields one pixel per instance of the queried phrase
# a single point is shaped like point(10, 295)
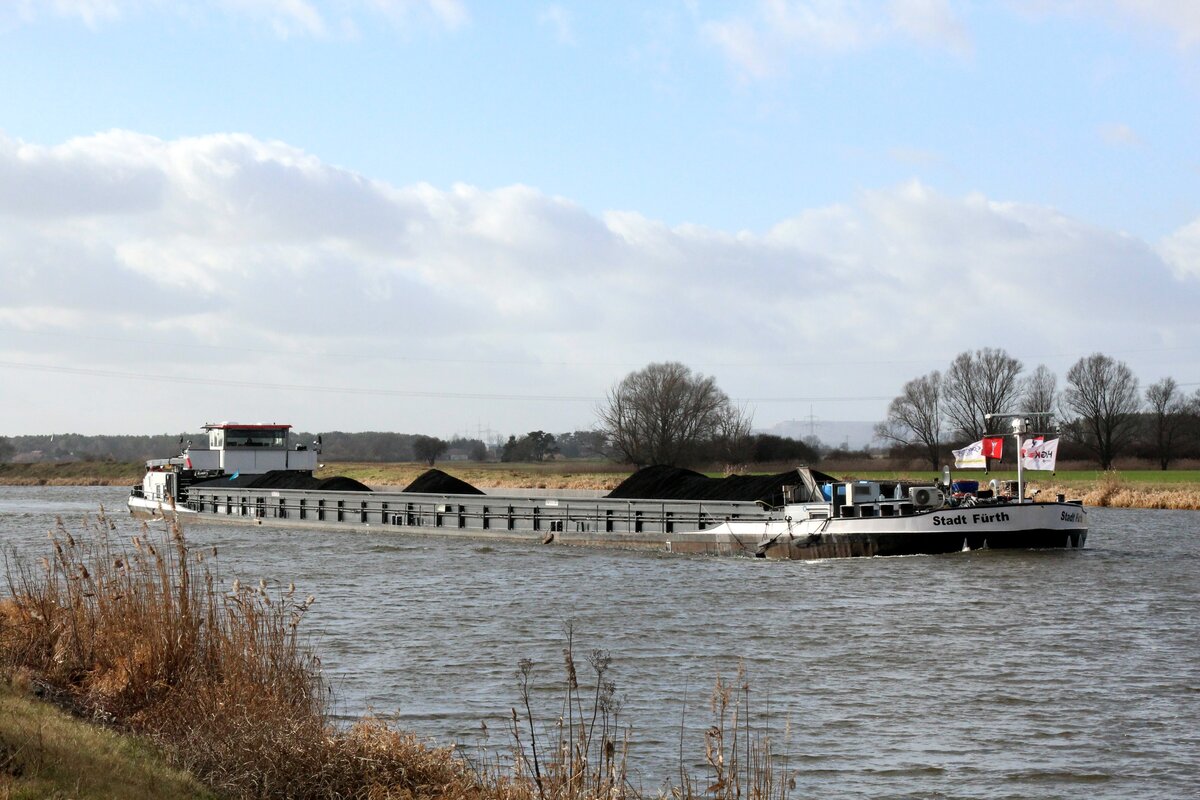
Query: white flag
point(970, 457)
point(1041, 455)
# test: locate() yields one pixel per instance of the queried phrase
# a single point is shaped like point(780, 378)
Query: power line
point(142, 376)
point(310, 354)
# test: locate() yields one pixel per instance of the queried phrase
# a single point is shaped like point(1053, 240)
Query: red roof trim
point(221, 426)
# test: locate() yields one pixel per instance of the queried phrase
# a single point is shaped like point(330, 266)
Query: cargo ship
point(251, 474)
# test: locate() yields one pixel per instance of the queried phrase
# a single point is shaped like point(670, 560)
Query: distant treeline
point(78, 447)
point(336, 446)
point(374, 446)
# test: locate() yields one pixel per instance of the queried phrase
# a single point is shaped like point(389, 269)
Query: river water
point(972, 675)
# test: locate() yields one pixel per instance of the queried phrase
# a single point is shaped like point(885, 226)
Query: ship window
point(255, 437)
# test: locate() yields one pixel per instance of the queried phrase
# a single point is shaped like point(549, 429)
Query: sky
point(465, 218)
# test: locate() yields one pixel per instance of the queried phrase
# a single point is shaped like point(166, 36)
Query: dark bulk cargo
point(434, 481)
point(288, 480)
point(674, 483)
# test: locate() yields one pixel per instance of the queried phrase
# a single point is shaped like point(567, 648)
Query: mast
point(1020, 425)
point(1018, 428)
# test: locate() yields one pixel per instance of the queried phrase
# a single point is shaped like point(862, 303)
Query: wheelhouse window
point(256, 437)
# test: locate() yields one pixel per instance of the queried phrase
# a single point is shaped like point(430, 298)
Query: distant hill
point(832, 433)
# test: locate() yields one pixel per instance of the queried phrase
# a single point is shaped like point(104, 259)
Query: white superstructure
point(233, 448)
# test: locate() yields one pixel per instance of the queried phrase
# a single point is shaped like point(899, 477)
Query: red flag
point(993, 447)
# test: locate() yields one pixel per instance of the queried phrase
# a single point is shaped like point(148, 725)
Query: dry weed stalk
point(742, 761)
point(587, 755)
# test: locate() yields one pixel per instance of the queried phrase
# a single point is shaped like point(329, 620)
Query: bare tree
point(1040, 393)
point(1102, 402)
point(733, 436)
point(914, 417)
point(1168, 418)
point(662, 414)
point(977, 384)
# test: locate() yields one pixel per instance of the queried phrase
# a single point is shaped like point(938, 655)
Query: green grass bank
point(47, 753)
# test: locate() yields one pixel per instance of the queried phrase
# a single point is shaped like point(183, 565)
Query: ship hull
point(678, 526)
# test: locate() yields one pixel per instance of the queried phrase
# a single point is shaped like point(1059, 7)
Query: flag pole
point(1016, 423)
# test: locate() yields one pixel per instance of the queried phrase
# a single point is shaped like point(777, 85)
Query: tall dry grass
point(142, 634)
point(1111, 490)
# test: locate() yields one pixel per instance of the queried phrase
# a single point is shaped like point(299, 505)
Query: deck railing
point(494, 513)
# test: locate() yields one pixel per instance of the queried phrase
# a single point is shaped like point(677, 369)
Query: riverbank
point(1127, 488)
point(72, 473)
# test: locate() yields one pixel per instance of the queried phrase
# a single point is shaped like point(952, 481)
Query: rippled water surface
point(975, 675)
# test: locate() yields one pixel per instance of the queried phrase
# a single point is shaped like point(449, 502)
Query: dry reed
point(1111, 490)
point(146, 637)
point(142, 635)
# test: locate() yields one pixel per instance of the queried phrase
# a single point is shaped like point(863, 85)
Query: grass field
point(547, 475)
point(45, 752)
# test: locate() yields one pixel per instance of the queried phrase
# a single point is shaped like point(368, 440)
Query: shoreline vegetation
point(180, 683)
point(1133, 487)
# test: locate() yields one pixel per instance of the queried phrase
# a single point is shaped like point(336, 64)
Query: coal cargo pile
point(283, 479)
point(434, 481)
point(674, 483)
point(340, 483)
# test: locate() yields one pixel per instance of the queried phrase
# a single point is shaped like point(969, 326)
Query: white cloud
point(1182, 17)
point(1120, 134)
point(286, 18)
point(763, 42)
point(91, 12)
point(1178, 18)
point(231, 242)
point(915, 156)
point(932, 23)
point(1182, 250)
point(558, 20)
point(450, 14)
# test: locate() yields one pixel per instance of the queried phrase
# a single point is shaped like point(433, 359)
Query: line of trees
point(1100, 410)
point(373, 446)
